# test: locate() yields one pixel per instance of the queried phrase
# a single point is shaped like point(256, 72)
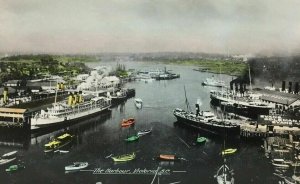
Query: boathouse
point(14, 118)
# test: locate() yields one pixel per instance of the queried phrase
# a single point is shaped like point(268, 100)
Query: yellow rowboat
point(229, 151)
point(58, 143)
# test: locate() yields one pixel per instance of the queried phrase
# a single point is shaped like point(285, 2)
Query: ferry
point(69, 111)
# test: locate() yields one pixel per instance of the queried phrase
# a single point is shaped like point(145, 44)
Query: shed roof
point(12, 110)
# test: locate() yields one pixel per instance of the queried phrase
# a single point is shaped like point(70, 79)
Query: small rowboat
point(61, 151)
point(201, 140)
point(9, 154)
point(138, 103)
point(6, 160)
point(14, 168)
point(128, 122)
point(169, 157)
point(59, 142)
point(132, 138)
point(124, 158)
point(144, 132)
point(77, 166)
point(8, 157)
point(229, 151)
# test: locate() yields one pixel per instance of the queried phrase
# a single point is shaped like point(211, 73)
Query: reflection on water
point(17, 139)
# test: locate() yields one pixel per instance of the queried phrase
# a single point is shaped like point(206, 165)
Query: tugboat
point(118, 97)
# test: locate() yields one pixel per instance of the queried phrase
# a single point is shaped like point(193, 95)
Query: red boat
point(167, 157)
point(127, 122)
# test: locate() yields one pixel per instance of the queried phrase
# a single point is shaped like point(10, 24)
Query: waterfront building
point(281, 100)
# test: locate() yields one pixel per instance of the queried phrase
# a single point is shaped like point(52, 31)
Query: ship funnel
point(70, 99)
point(297, 88)
point(241, 88)
point(283, 86)
point(80, 97)
point(231, 86)
point(290, 87)
point(62, 86)
point(197, 109)
point(75, 98)
point(5, 95)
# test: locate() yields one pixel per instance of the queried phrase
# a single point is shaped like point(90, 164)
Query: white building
point(82, 77)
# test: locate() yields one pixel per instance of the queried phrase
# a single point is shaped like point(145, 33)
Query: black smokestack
point(241, 88)
point(297, 88)
point(283, 86)
point(231, 86)
point(290, 87)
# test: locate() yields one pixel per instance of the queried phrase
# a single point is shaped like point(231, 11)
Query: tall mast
point(186, 101)
point(250, 78)
point(55, 91)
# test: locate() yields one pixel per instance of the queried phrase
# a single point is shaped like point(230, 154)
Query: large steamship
point(73, 109)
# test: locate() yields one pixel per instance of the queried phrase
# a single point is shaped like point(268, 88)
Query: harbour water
point(99, 137)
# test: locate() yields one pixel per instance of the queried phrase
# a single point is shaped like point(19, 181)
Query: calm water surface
point(99, 137)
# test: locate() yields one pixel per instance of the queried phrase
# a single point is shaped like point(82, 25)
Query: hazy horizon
point(265, 27)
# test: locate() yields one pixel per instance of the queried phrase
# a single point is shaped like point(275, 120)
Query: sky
point(95, 26)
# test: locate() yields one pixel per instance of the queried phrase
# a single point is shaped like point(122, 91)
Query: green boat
point(124, 158)
point(201, 140)
point(132, 138)
point(14, 168)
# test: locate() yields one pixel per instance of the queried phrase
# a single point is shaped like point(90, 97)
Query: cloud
point(215, 26)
